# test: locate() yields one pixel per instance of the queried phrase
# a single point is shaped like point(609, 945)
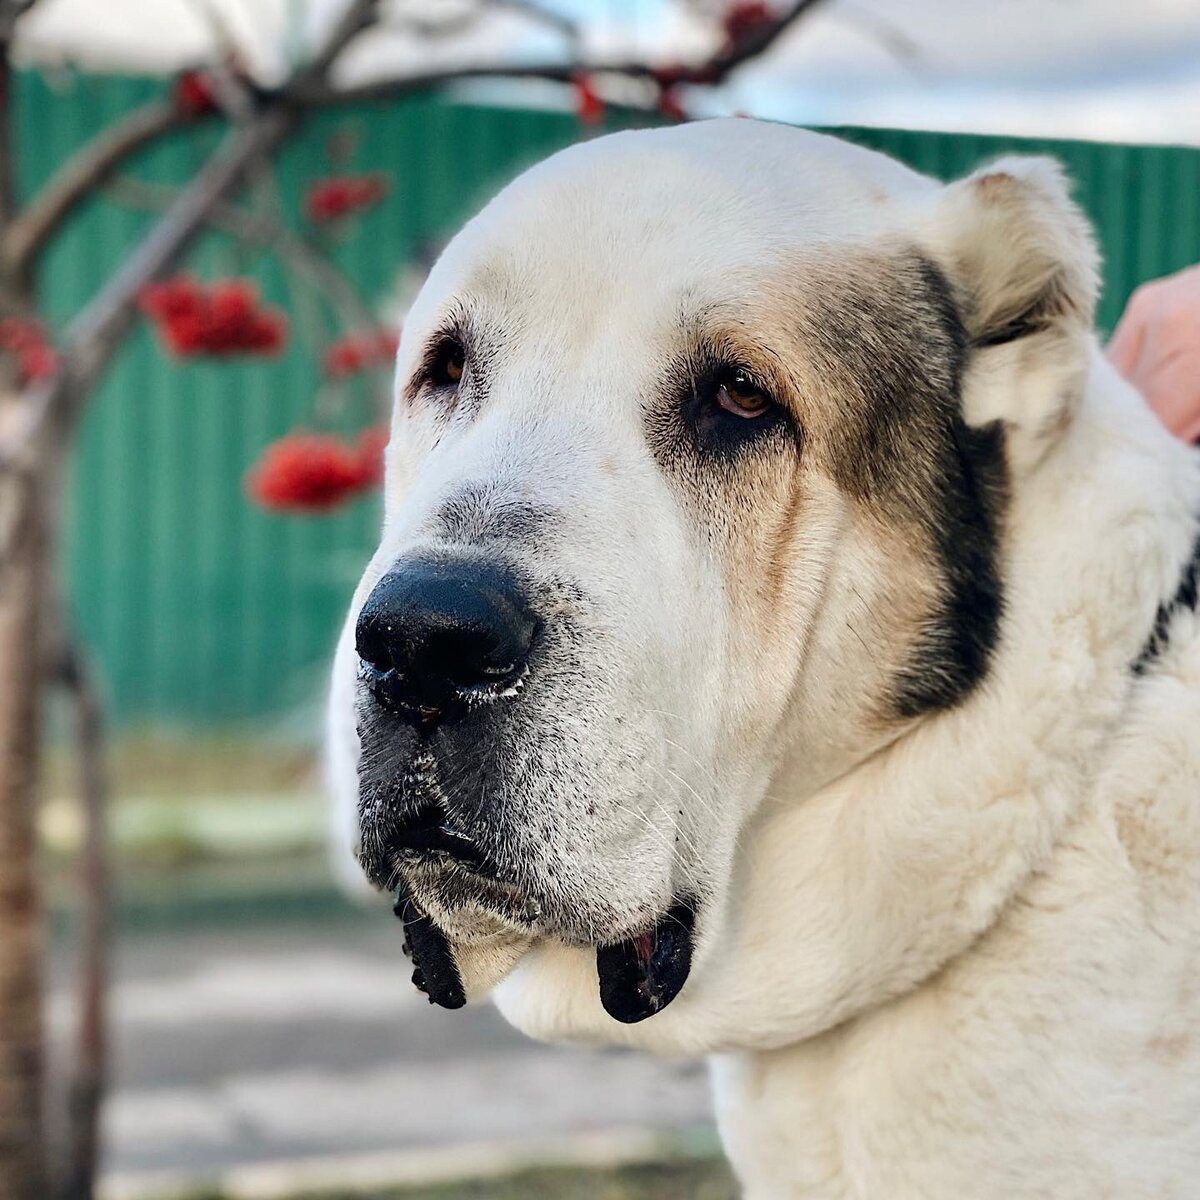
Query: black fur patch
point(906, 452)
point(1185, 598)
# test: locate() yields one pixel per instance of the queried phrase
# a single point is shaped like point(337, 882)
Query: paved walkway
point(259, 1043)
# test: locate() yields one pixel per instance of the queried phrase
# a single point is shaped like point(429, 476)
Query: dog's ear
point(1021, 250)
point(1024, 261)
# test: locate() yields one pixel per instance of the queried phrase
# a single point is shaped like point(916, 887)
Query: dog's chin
point(467, 906)
point(465, 932)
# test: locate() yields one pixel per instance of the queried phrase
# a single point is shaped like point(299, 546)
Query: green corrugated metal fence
point(197, 605)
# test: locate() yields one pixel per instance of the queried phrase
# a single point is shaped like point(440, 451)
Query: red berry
point(589, 107)
point(193, 94)
point(38, 362)
point(26, 340)
point(745, 18)
point(306, 472)
point(354, 352)
point(336, 197)
point(670, 74)
point(669, 105)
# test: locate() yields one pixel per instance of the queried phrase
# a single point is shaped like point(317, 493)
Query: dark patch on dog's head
point(896, 346)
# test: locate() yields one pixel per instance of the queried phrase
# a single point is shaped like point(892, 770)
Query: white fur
point(958, 959)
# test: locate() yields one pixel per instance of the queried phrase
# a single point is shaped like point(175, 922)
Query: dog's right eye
point(446, 364)
point(740, 396)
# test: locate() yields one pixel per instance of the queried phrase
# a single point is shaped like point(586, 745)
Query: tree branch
point(760, 39)
point(353, 310)
point(360, 15)
point(89, 1073)
point(307, 94)
point(74, 181)
point(93, 336)
point(96, 162)
point(9, 12)
point(544, 16)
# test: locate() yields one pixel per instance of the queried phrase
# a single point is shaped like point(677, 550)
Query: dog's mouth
point(430, 833)
point(638, 976)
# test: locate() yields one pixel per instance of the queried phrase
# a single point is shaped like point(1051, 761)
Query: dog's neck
point(856, 892)
point(904, 861)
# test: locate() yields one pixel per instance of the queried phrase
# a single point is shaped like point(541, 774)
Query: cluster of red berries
point(221, 319)
point(313, 472)
point(354, 352)
point(193, 94)
point(744, 18)
point(26, 341)
point(337, 197)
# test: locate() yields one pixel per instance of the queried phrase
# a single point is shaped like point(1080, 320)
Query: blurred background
point(221, 345)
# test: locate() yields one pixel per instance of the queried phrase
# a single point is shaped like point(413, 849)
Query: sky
point(1102, 69)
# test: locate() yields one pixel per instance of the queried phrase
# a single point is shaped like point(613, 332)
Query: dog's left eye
point(740, 395)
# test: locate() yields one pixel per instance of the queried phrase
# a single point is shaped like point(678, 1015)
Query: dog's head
point(697, 480)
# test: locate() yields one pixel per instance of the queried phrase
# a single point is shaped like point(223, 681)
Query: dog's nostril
point(433, 635)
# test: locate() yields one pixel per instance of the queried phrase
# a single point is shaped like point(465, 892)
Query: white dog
point(782, 648)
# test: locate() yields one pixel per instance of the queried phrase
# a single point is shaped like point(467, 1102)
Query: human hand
point(1156, 347)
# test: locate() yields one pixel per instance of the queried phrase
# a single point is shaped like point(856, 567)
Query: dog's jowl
point(775, 651)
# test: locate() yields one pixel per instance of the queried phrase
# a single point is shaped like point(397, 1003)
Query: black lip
point(429, 832)
point(435, 971)
point(642, 975)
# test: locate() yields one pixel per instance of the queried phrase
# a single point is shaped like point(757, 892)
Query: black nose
point(436, 637)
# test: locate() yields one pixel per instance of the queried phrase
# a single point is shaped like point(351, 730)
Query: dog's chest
point(1060, 1057)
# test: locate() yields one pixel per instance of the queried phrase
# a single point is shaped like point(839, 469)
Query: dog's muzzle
point(444, 647)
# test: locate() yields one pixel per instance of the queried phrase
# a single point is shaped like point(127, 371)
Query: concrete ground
point(266, 1040)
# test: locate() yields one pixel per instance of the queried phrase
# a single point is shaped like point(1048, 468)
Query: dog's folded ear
point(1020, 249)
point(1024, 262)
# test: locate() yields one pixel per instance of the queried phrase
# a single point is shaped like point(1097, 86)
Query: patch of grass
point(706, 1179)
point(690, 1181)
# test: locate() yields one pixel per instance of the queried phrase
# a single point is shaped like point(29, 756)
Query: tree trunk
point(89, 1072)
point(22, 1168)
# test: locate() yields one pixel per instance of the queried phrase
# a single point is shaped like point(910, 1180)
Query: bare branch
point(8, 185)
point(295, 252)
point(890, 34)
point(760, 39)
point(94, 334)
point(310, 88)
point(321, 95)
point(232, 93)
point(544, 16)
point(425, 22)
point(359, 16)
point(78, 176)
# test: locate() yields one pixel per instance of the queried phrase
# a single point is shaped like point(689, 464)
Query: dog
point(782, 647)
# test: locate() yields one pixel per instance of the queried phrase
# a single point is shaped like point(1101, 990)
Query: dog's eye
point(447, 364)
point(740, 395)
